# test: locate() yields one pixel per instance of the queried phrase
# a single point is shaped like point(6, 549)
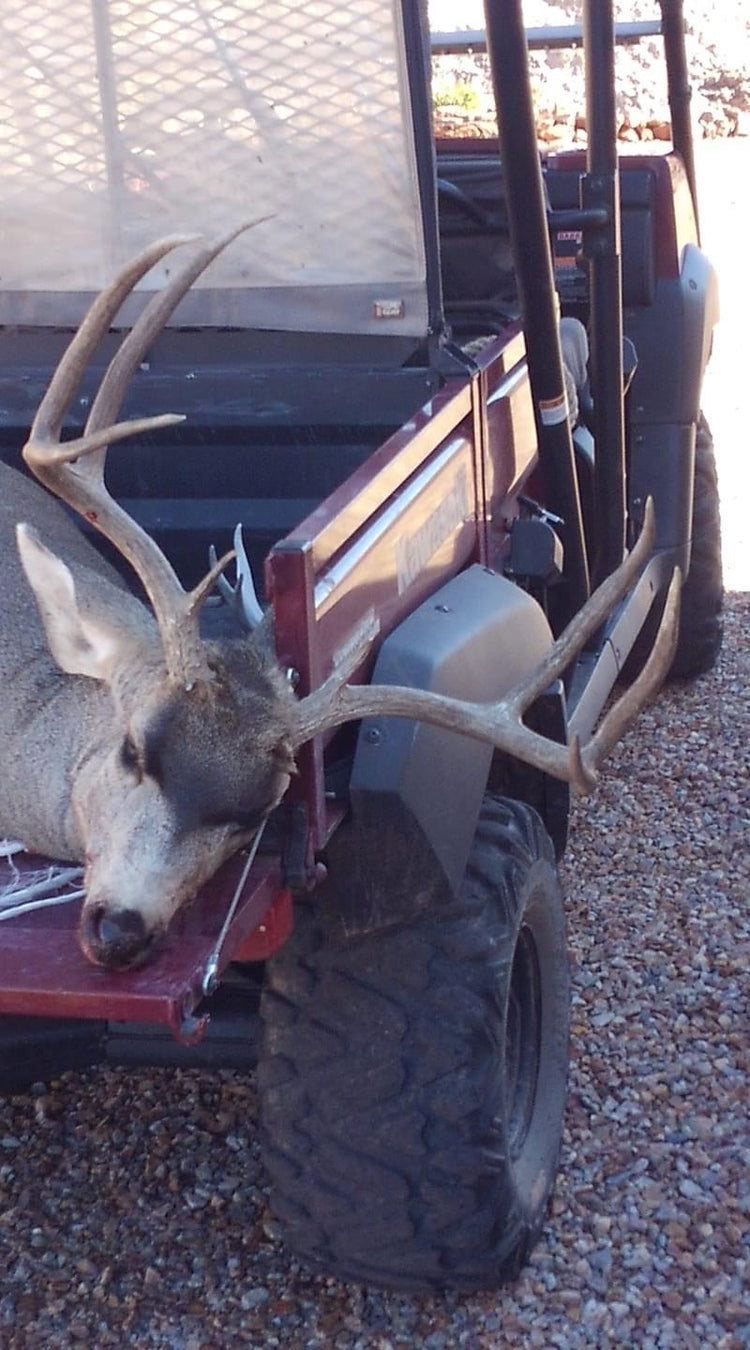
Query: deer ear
point(80, 643)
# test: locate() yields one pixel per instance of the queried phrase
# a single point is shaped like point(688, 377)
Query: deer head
point(192, 743)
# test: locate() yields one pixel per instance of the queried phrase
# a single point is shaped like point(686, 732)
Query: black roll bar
point(527, 218)
point(507, 44)
point(679, 90)
point(600, 190)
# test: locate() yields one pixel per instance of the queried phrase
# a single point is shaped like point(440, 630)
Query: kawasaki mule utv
point(374, 390)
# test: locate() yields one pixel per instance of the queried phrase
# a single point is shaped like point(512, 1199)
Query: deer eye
point(129, 757)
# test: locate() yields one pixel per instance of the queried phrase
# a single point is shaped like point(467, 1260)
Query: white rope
point(25, 892)
point(9, 847)
point(16, 910)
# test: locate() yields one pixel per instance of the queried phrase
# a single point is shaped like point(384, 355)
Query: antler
point(336, 702)
point(74, 470)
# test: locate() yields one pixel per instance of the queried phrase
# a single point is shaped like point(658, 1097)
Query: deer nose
point(115, 938)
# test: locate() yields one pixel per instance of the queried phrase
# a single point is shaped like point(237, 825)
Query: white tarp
point(124, 120)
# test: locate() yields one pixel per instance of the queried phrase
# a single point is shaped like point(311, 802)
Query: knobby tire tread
point(379, 1093)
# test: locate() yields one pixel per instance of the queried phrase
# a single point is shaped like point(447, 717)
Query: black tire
point(413, 1080)
point(700, 635)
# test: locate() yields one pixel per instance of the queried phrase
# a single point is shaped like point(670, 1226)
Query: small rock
point(255, 1298)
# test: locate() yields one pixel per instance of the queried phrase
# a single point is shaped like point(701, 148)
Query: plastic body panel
point(474, 639)
point(683, 314)
point(664, 404)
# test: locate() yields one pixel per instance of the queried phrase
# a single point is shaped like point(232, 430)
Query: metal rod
point(527, 217)
point(210, 975)
point(539, 39)
point(417, 53)
point(679, 90)
point(600, 188)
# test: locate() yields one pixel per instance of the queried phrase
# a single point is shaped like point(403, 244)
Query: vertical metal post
point(417, 50)
point(600, 188)
point(678, 89)
point(527, 218)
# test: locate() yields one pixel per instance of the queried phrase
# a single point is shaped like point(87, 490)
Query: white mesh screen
point(125, 120)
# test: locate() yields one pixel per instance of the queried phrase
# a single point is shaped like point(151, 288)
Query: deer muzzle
point(117, 939)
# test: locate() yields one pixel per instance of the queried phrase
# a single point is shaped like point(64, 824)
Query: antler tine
point(500, 723)
point(199, 592)
point(496, 723)
point(589, 618)
point(54, 405)
point(75, 469)
point(176, 613)
point(643, 687)
point(149, 325)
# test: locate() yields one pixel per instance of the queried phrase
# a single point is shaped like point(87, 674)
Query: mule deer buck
point(132, 745)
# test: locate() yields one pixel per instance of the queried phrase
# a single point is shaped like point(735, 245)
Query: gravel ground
point(132, 1205)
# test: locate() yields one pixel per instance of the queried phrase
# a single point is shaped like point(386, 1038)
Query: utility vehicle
point(373, 389)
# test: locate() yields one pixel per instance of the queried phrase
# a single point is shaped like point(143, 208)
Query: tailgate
point(43, 973)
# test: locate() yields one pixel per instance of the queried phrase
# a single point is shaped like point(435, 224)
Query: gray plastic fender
point(672, 338)
point(474, 639)
point(673, 341)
